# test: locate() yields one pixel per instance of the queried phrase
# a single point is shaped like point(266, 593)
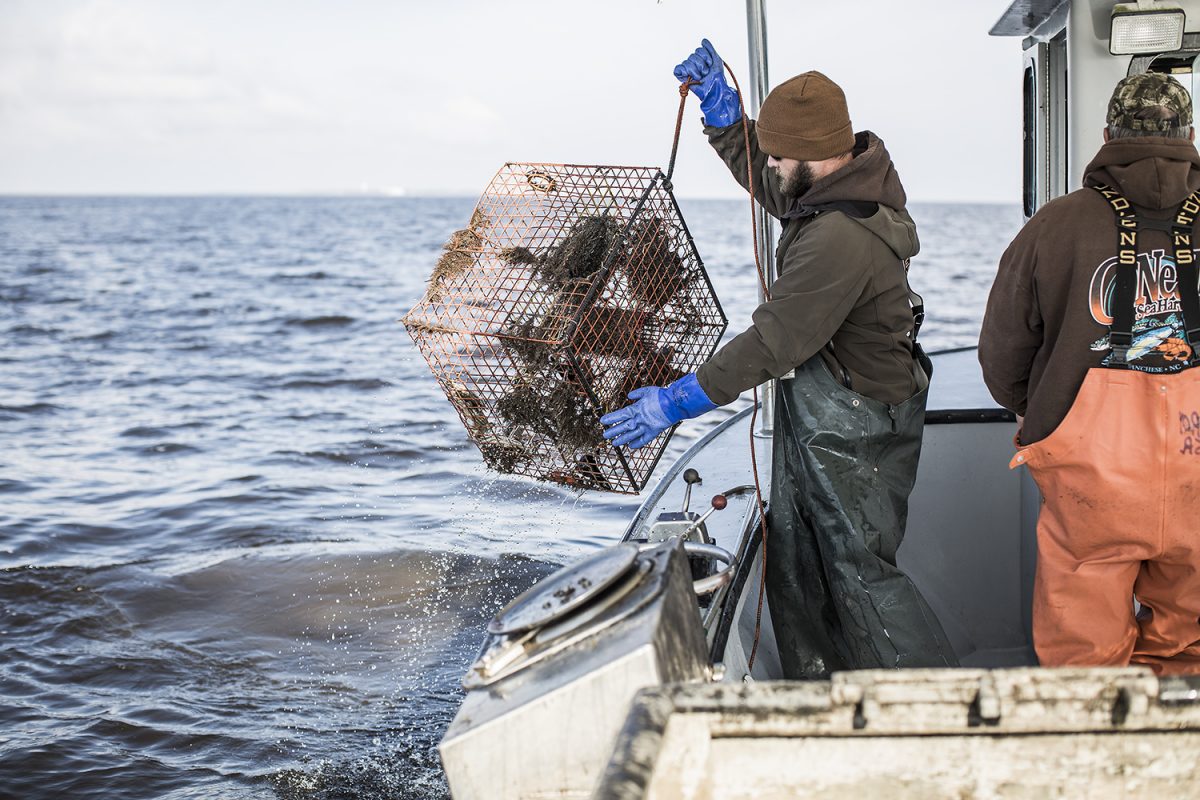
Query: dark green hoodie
point(842, 288)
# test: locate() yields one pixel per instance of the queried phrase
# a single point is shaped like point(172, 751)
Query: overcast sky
point(330, 96)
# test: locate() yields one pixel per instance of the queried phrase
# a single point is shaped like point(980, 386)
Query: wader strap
point(843, 376)
point(1120, 335)
point(1188, 277)
point(916, 301)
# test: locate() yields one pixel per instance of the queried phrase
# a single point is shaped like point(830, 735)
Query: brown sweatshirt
point(1049, 310)
point(842, 289)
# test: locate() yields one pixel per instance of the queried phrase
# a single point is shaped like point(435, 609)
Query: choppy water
point(246, 550)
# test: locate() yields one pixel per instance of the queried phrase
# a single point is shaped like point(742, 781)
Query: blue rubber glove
point(656, 410)
point(718, 100)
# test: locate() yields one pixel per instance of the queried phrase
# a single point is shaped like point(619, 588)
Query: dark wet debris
point(581, 253)
point(593, 308)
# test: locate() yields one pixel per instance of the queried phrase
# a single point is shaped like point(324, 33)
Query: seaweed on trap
point(459, 254)
point(580, 254)
point(546, 399)
point(575, 288)
point(531, 342)
point(520, 256)
point(651, 369)
point(556, 410)
point(549, 399)
point(651, 263)
point(500, 455)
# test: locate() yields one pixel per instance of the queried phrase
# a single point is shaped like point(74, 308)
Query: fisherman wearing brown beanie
point(806, 118)
point(839, 334)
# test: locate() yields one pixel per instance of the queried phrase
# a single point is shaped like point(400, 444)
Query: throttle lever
point(690, 477)
point(718, 502)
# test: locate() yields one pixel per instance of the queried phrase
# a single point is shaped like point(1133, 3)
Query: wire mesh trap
point(570, 287)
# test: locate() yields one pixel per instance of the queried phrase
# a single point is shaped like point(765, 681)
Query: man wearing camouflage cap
point(1090, 335)
point(839, 332)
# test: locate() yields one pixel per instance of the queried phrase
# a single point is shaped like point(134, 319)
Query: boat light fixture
point(1146, 27)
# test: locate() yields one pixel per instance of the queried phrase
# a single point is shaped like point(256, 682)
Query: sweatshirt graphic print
point(1159, 338)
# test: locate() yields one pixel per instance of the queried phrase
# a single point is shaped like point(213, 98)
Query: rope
point(683, 96)
point(762, 282)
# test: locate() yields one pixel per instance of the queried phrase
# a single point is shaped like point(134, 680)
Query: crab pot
point(569, 287)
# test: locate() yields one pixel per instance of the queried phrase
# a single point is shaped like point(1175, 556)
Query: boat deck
point(969, 545)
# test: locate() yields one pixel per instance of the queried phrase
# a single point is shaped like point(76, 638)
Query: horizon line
point(330, 195)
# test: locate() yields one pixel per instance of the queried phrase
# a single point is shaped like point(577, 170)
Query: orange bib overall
point(1120, 482)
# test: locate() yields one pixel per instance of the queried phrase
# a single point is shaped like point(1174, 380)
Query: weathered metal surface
point(1024, 17)
point(566, 590)
point(548, 730)
point(1013, 733)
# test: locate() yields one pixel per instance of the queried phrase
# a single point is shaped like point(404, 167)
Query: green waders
point(843, 468)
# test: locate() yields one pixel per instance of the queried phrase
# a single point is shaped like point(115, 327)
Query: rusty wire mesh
point(571, 286)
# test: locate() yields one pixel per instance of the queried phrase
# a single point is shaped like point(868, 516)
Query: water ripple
point(246, 548)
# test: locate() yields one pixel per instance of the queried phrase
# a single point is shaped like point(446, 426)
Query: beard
point(797, 182)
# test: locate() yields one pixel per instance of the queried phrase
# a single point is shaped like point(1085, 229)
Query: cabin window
point(1029, 145)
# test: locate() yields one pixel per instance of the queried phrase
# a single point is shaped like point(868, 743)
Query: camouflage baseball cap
point(1150, 89)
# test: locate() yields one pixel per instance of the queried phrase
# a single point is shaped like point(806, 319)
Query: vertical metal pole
point(756, 29)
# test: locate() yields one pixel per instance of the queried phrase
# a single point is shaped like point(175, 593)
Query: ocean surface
point(246, 549)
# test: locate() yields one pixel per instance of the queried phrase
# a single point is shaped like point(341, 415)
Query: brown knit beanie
point(805, 118)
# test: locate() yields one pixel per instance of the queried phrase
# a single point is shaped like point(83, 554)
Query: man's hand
point(656, 410)
point(718, 100)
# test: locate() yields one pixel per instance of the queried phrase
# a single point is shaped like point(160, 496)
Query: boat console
point(561, 665)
